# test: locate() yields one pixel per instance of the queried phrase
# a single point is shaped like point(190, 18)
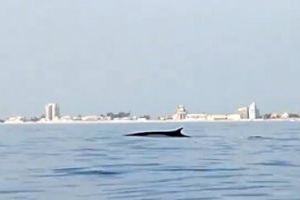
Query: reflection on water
point(220, 161)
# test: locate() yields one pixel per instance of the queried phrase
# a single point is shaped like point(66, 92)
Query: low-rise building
point(200, 116)
point(66, 118)
point(91, 118)
point(17, 119)
point(165, 118)
point(289, 115)
point(142, 119)
point(216, 117)
point(275, 116)
point(234, 117)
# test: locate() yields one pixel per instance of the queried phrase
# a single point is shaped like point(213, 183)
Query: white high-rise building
point(52, 112)
point(253, 111)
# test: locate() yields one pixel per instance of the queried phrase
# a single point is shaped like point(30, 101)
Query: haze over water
point(220, 161)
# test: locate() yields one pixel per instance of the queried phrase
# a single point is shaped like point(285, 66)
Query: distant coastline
point(249, 113)
point(148, 122)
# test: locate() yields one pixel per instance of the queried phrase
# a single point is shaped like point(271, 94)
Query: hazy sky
point(148, 56)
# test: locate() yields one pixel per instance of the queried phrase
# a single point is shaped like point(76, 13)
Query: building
point(289, 115)
point(216, 117)
point(180, 114)
point(66, 118)
point(275, 115)
point(92, 118)
point(166, 118)
point(200, 116)
point(52, 112)
point(15, 120)
point(253, 111)
point(234, 117)
point(244, 112)
point(285, 116)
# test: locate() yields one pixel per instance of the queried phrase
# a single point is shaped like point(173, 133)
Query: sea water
point(254, 160)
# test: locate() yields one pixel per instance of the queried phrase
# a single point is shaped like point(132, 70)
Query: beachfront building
point(285, 116)
point(165, 118)
point(216, 117)
point(92, 118)
point(244, 112)
point(289, 115)
point(180, 114)
point(234, 117)
point(15, 120)
point(275, 116)
point(200, 116)
point(52, 112)
point(253, 111)
point(66, 118)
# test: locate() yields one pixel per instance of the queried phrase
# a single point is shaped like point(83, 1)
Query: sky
point(147, 57)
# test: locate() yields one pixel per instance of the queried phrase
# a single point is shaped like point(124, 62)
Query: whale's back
point(172, 133)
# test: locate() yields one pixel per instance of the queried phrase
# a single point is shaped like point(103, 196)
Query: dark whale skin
point(172, 133)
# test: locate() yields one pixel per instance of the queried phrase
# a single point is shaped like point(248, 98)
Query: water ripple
point(278, 163)
point(19, 191)
point(79, 171)
point(202, 169)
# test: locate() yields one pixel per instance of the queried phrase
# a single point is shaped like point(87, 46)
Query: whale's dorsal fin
point(180, 129)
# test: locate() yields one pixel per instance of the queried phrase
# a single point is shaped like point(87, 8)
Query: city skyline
point(52, 113)
point(55, 111)
point(148, 57)
point(251, 112)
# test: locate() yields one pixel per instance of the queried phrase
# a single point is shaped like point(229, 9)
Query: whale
point(171, 133)
point(258, 137)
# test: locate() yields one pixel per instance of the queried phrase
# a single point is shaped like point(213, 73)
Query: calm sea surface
point(231, 161)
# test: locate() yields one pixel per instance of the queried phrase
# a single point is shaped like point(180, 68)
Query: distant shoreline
point(148, 122)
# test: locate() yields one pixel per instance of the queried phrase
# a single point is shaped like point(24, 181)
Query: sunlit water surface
point(220, 161)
